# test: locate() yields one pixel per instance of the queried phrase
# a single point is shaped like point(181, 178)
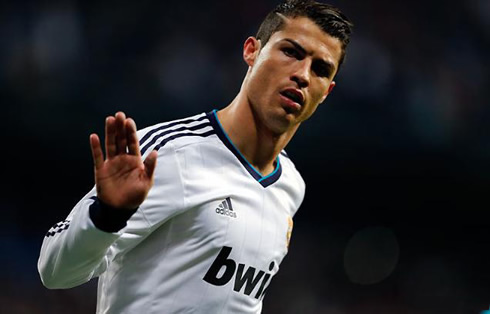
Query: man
point(195, 215)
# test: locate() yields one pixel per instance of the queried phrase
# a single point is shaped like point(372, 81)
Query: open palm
point(123, 179)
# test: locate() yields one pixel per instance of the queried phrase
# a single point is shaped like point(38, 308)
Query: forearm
point(76, 251)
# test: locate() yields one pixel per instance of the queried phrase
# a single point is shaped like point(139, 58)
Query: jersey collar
point(265, 181)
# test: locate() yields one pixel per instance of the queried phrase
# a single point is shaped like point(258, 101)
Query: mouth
point(294, 95)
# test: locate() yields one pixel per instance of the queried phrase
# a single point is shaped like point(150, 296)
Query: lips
point(294, 95)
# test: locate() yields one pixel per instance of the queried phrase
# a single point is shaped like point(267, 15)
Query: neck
point(258, 144)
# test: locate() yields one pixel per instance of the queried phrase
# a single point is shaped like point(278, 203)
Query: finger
point(132, 137)
point(121, 141)
point(150, 164)
point(110, 137)
point(97, 154)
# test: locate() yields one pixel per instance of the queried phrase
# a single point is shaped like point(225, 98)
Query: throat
point(266, 170)
point(257, 145)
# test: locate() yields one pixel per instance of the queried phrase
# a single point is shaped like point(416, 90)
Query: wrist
point(108, 218)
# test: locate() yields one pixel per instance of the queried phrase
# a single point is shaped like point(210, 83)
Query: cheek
point(261, 75)
point(271, 66)
point(317, 95)
point(264, 81)
point(319, 92)
point(261, 85)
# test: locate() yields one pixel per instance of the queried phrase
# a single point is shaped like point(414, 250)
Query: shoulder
point(289, 167)
point(179, 132)
point(292, 176)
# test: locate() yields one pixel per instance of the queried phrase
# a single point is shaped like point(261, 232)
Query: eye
point(322, 70)
point(291, 52)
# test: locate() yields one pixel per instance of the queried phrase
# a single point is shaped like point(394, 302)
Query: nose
point(301, 75)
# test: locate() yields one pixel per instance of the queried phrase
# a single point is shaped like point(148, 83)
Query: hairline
point(285, 19)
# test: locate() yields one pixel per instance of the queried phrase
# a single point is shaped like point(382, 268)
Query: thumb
point(150, 164)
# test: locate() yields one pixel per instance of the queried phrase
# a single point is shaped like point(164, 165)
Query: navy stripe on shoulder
point(169, 125)
point(183, 128)
point(170, 138)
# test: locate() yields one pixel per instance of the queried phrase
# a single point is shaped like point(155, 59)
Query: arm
point(78, 249)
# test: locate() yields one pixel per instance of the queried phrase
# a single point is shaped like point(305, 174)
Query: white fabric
point(158, 262)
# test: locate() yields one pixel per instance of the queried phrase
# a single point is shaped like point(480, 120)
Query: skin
point(260, 120)
point(123, 179)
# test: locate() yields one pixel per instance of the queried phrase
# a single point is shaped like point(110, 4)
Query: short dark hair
point(329, 18)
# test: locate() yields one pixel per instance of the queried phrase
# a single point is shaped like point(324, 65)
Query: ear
point(330, 88)
point(251, 49)
point(332, 85)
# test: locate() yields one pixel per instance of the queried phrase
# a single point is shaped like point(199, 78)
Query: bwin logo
point(225, 208)
point(248, 278)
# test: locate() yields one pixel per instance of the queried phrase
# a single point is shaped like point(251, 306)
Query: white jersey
point(208, 238)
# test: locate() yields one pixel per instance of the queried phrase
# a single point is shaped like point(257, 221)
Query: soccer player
point(195, 215)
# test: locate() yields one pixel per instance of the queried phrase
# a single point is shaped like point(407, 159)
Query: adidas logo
point(225, 208)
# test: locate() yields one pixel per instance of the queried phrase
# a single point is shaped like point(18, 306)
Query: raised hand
point(122, 180)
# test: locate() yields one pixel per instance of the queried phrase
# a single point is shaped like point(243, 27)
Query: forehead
point(311, 37)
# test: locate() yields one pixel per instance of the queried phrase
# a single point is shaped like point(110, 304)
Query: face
point(292, 74)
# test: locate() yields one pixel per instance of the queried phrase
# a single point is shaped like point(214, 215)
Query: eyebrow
point(323, 63)
point(296, 45)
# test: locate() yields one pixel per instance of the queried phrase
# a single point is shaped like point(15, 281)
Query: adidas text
point(225, 212)
point(225, 208)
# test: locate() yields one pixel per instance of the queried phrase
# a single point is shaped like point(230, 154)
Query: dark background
point(396, 160)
